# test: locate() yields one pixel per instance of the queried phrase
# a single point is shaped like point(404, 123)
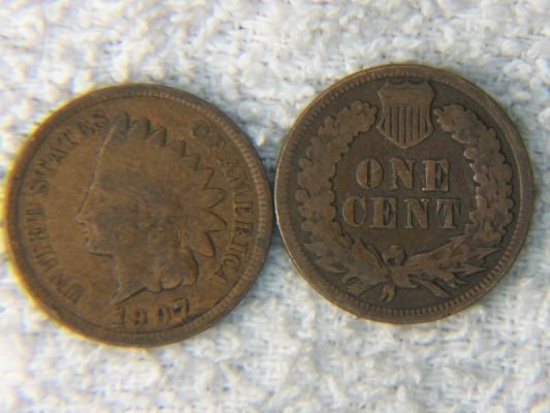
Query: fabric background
point(285, 348)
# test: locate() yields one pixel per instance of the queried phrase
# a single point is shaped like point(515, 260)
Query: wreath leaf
point(361, 265)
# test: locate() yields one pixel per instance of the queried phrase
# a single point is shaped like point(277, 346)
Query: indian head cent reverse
point(403, 193)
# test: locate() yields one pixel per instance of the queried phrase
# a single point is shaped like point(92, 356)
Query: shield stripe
point(415, 123)
point(402, 121)
point(394, 125)
point(408, 128)
point(423, 121)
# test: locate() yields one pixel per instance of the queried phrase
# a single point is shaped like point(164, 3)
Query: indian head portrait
point(149, 209)
point(139, 215)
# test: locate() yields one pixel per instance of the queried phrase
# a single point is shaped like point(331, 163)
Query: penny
point(138, 215)
point(403, 193)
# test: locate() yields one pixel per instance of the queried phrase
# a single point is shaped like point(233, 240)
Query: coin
point(138, 215)
point(403, 193)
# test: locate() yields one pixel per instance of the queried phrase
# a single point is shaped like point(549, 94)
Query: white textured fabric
point(285, 348)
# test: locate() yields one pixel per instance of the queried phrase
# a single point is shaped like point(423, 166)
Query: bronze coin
point(138, 215)
point(403, 193)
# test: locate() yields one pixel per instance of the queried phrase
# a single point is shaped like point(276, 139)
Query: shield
point(406, 109)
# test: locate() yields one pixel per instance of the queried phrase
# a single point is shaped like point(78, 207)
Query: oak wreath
point(361, 265)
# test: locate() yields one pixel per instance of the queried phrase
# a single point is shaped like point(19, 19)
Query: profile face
point(106, 219)
point(149, 209)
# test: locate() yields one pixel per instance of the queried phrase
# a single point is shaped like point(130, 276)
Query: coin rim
point(349, 302)
point(31, 280)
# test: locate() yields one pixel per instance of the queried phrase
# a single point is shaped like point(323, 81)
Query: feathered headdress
point(137, 160)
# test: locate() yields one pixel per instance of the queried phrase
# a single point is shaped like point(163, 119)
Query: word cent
point(403, 193)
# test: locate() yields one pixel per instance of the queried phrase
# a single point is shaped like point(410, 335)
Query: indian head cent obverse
point(403, 193)
point(138, 215)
